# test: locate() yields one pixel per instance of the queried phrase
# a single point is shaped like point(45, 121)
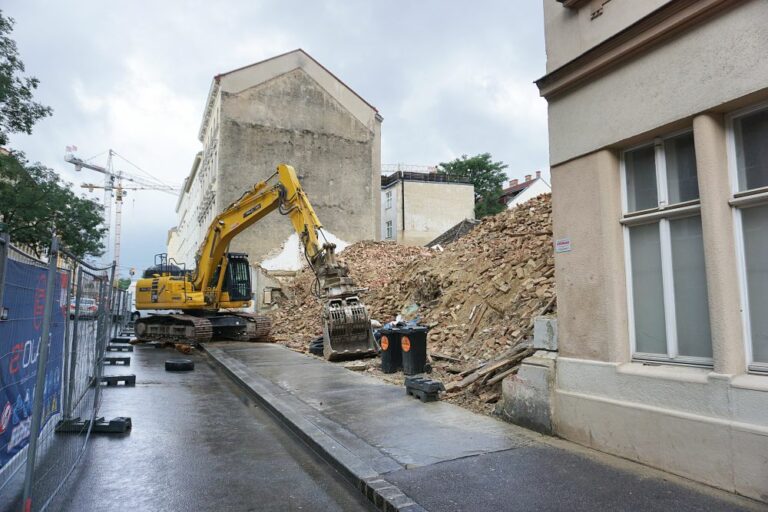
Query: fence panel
point(23, 307)
point(79, 326)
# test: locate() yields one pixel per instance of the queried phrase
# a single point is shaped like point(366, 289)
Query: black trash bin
point(413, 342)
point(391, 355)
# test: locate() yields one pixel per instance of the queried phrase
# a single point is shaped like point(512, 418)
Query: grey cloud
point(449, 77)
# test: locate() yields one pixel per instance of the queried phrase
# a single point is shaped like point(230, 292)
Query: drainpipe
point(402, 209)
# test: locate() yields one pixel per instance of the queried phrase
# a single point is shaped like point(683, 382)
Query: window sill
point(750, 198)
point(664, 370)
point(679, 210)
point(758, 369)
point(751, 382)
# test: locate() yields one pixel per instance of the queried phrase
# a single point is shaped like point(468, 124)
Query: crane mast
point(113, 184)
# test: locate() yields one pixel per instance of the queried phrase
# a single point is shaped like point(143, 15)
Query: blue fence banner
point(20, 335)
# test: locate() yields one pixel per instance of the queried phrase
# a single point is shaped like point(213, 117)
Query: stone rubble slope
point(479, 295)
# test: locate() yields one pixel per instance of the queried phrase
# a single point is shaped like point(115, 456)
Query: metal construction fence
point(56, 319)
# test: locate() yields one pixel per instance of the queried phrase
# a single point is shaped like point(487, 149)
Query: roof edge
point(215, 86)
point(665, 22)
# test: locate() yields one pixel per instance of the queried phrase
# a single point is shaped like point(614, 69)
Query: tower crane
point(113, 185)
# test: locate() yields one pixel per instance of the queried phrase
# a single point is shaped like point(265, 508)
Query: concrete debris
point(479, 297)
point(356, 366)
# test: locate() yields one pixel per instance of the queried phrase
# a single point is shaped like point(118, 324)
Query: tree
point(487, 176)
point(34, 202)
point(123, 284)
point(18, 112)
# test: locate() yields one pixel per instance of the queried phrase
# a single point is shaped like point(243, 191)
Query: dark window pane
point(640, 168)
point(647, 290)
point(752, 150)
point(755, 224)
point(691, 306)
point(680, 156)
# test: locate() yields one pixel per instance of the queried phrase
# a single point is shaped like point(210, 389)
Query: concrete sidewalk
point(407, 455)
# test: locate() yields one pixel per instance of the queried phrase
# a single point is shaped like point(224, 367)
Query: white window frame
point(738, 202)
point(661, 216)
point(388, 202)
point(389, 230)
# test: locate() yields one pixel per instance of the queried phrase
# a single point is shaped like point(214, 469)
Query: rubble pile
point(478, 296)
point(371, 264)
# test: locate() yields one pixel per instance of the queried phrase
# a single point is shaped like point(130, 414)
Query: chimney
point(538, 174)
point(527, 177)
point(513, 183)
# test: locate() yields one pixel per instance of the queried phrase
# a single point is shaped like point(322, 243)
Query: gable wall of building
point(292, 119)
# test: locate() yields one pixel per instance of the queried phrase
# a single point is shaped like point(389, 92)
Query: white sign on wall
point(563, 245)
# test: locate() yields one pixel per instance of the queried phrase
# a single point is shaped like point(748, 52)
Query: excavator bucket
point(347, 330)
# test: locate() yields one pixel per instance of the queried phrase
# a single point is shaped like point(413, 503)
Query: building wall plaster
point(586, 210)
point(689, 421)
point(722, 59)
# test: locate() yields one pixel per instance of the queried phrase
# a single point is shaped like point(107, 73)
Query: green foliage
point(487, 176)
point(123, 283)
point(34, 202)
point(18, 112)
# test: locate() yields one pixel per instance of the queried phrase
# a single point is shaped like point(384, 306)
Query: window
point(388, 200)
point(748, 147)
point(667, 286)
point(389, 230)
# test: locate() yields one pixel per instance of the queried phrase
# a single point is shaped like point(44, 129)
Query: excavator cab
point(237, 280)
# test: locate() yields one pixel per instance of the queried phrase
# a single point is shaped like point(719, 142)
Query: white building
point(519, 192)
point(418, 206)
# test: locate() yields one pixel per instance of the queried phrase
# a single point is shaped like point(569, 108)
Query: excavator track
point(176, 328)
point(181, 328)
point(258, 327)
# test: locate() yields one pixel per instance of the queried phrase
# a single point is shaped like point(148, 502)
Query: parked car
point(88, 308)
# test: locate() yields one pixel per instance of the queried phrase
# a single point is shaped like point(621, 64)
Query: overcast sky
point(450, 77)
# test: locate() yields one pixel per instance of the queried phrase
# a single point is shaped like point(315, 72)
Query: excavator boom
point(218, 281)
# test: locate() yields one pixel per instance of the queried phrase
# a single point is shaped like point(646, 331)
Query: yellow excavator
point(209, 296)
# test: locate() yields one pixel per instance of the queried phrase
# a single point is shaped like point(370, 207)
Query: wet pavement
point(440, 457)
point(198, 443)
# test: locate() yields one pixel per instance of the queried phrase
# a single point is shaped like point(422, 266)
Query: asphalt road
point(198, 443)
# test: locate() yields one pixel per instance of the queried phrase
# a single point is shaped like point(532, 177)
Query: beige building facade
point(658, 122)
point(418, 207)
point(285, 109)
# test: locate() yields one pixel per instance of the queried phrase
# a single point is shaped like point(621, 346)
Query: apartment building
point(290, 109)
point(418, 206)
point(658, 127)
